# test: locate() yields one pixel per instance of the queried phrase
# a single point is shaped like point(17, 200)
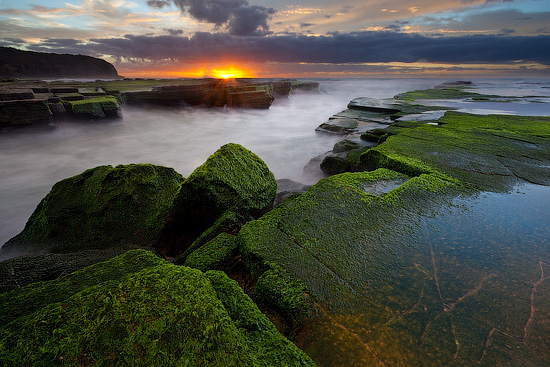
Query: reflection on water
point(476, 291)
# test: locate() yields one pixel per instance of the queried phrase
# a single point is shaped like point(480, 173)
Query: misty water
point(283, 136)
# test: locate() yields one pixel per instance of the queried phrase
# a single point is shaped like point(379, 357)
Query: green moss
point(279, 291)
point(26, 300)
point(271, 348)
point(213, 254)
point(233, 177)
point(161, 315)
point(233, 183)
point(449, 93)
point(100, 208)
point(23, 270)
point(103, 106)
point(491, 152)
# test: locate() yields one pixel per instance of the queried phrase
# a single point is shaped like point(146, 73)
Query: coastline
point(369, 248)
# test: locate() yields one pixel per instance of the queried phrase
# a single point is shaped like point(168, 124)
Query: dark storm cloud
point(174, 32)
point(12, 42)
point(240, 18)
point(159, 4)
point(506, 32)
point(359, 47)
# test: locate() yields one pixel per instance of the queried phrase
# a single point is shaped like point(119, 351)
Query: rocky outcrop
point(141, 310)
point(205, 92)
point(24, 111)
point(101, 208)
point(94, 107)
point(232, 186)
point(28, 64)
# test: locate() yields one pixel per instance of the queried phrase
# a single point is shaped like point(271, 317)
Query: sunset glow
point(230, 72)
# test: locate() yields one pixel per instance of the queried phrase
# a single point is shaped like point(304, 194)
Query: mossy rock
point(162, 315)
point(32, 297)
point(492, 152)
point(101, 208)
point(262, 336)
point(23, 270)
point(341, 233)
point(213, 254)
point(96, 107)
point(234, 180)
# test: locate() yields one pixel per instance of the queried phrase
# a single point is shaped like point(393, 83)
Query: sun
point(229, 72)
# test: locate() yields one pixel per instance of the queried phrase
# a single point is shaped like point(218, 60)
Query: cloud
point(159, 4)
point(240, 18)
point(174, 32)
point(305, 25)
point(338, 48)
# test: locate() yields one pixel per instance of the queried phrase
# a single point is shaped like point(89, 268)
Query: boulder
point(232, 180)
point(139, 310)
point(103, 207)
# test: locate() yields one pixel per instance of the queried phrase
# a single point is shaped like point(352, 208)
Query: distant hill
point(28, 64)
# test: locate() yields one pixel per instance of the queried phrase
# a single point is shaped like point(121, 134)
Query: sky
point(299, 39)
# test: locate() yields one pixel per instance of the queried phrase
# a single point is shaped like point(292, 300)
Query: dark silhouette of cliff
point(28, 64)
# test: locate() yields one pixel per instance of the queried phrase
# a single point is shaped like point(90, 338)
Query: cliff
point(28, 64)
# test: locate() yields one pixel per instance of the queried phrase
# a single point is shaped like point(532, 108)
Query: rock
point(206, 92)
point(212, 255)
point(250, 99)
point(101, 208)
point(26, 111)
point(286, 188)
point(349, 143)
point(339, 126)
point(23, 270)
point(325, 237)
point(282, 87)
point(70, 96)
point(31, 297)
point(15, 94)
point(374, 105)
point(97, 107)
point(233, 180)
point(141, 310)
point(64, 90)
point(305, 85)
point(336, 163)
point(354, 121)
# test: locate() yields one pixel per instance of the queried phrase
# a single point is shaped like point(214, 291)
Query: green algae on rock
point(262, 336)
point(329, 236)
point(103, 207)
point(28, 299)
point(213, 254)
point(162, 315)
point(96, 107)
point(492, 152)
point(23, 270)
point(234, 180)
